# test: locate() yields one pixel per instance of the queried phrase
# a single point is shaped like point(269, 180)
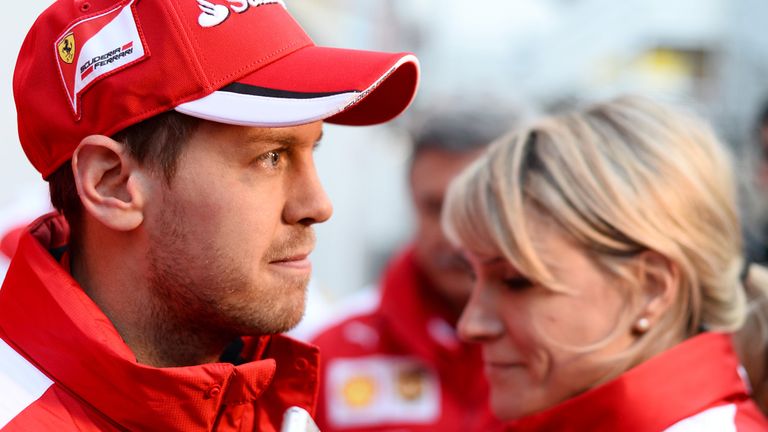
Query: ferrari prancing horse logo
point(67, 48)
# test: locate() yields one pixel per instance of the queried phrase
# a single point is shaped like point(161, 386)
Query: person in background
point(401, 365)
point(609, 273)
point(761, 135)
point(178, 139)
point(755, 190)
point(751, 342)
point(752, 339)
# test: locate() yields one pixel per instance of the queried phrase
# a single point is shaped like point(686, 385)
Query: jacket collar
point(48, 318)
point(697, 374)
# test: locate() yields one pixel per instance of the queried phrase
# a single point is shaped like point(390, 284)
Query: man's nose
point(308, 203)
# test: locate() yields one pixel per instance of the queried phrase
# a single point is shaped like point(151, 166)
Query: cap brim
point(342, 86)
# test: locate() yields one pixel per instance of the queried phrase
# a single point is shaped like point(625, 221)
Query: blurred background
point(518, 55)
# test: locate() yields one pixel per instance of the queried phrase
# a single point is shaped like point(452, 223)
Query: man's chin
point(290, 325)
point(276, 323)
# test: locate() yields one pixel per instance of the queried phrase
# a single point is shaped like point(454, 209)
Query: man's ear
point(109, 183)
point(659, 279)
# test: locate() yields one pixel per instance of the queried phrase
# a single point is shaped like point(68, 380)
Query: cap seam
point(212, 83)
point(142, 116)
point(265, 60)
point(182, 31)
point(215, 81)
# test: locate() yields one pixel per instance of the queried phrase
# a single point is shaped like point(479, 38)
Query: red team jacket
point(64, 367)
point(696, 386)
point(401, 367)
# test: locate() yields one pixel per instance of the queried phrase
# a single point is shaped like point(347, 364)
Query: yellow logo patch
point(359, 391)
point(378, 389)
point(67, 48)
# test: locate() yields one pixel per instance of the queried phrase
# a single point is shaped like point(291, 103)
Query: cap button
point(213, 391)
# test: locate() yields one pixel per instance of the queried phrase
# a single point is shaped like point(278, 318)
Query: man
point(755, 208)
point(761, 132)
point(177, 137)
point(401, 367)
point(753, 355)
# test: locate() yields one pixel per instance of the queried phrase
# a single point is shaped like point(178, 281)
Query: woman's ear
point(659, 279)
point(109, 183)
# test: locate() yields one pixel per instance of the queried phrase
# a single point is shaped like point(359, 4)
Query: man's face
point(431, 174)
point(229, 238)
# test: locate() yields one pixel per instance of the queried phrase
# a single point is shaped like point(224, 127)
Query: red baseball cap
point(98, 66)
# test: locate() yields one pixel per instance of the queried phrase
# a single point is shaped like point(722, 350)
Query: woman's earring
point(642, 325)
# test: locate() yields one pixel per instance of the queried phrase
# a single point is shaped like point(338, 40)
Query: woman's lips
point(502, 366)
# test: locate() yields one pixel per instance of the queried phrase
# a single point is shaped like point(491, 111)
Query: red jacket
point(64, 367)
point(401, 367)
point(694, 387)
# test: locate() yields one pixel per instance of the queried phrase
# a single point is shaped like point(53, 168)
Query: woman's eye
point(517, 283)
point(271, 159)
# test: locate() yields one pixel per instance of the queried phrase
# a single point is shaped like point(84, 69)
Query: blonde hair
point(620, 177)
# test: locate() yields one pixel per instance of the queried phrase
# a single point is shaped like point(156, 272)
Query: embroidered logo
point(67, 48)
point(363, 391)
point(359, 391)
point(213, 14)
point(106, 44)
point(411, 382)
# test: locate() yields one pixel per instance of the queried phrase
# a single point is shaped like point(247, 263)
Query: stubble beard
point(205, 299)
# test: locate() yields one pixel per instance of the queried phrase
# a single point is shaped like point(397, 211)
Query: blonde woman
point(606, 252)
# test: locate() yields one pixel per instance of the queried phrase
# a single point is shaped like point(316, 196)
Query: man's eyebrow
point(270, 137)
point(275, 137)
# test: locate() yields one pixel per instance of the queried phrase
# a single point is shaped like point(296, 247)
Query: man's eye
point(517, 283)
point(271, 159)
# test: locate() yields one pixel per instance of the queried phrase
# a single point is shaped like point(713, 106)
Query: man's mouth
point(298, 261)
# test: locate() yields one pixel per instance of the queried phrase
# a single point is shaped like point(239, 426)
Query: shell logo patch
point(213, 14)
point(67, 48)
point(359, 391)
point(380, 390)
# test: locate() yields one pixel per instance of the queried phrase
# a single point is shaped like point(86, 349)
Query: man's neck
point(164, 344)
point(156, 335)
